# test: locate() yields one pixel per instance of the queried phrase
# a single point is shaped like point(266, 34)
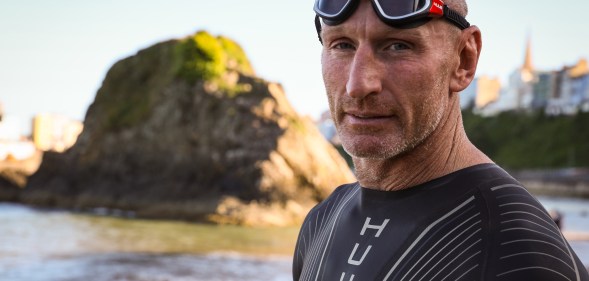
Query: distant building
point(13, 146)
point(489, 90)
point(483, 91)
point(52, 132)
point(16, 150)
point(544, 89)
point(515, 96)
point(480, 93)
point(572, 90)
point(579, 85)
point(10, 129)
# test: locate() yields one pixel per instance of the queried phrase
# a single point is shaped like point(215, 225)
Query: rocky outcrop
point(184, 129)
point(11, 183)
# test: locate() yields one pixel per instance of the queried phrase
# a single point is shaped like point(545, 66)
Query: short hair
point(459, 6)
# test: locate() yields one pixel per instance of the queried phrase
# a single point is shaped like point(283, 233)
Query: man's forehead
point(381, 29)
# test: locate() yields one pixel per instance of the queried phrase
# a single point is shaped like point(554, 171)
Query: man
point(428, 205)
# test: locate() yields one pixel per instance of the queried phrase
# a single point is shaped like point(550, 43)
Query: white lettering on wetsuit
point(379, 227)
point(366, 226)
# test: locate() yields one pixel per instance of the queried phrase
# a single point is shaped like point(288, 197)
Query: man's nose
point(364, 74)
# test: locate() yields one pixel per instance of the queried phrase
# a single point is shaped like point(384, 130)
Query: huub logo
point(439, 6)
point(353, 257)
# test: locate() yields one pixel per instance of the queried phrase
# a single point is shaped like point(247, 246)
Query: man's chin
point(376, 151)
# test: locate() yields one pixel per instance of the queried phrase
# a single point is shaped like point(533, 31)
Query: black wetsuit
point(475, 224)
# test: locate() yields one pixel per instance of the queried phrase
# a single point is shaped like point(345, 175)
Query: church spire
point(528, 59)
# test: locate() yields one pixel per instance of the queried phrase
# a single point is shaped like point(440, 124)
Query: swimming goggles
point(396, 13)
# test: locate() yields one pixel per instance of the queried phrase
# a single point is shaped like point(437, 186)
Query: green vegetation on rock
point(236, 58)
point(202, 57)
point(132, 87)
point(205, 57)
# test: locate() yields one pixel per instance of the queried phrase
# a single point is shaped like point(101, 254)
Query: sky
point(55, 54)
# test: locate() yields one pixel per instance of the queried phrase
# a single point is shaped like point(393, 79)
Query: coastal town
point(563, 91)
point(119, 184)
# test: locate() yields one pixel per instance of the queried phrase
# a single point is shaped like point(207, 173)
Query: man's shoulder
point(483, 176)
point(509, 205)
point(524, 241)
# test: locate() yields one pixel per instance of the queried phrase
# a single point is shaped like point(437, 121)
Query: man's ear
point(470, 49)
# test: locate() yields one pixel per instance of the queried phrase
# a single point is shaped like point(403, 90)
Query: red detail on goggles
point(437, 8)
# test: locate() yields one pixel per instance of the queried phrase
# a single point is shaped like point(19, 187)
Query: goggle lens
point(331, 8)
point(395, 9)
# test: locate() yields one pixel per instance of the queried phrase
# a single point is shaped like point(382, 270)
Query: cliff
point(185, 130)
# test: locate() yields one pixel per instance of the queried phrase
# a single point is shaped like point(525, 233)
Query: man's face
point(387, 88)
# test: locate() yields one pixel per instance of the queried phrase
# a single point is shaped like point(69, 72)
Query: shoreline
point(570, 235)
point(557, 189)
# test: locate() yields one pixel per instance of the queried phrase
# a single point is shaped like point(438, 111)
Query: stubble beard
point(391, 147)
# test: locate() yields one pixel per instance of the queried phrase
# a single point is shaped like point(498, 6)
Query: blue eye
point(399, 46)
point(344, 46)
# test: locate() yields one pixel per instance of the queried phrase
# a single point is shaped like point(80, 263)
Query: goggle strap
point(455, 18)
point(318, 28)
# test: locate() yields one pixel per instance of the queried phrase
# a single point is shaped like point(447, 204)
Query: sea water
point(54, 245)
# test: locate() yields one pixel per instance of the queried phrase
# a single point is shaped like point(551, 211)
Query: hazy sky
point(55, 54)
